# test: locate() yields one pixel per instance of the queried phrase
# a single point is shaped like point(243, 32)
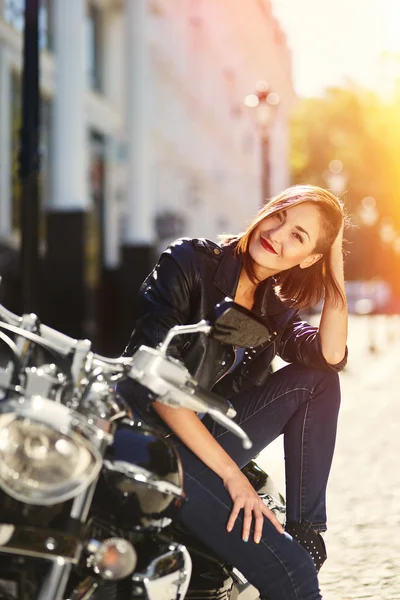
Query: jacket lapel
point(227, 275)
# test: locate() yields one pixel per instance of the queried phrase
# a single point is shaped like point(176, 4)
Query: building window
point(14, 15)
point(94, 47)
point(46, 32)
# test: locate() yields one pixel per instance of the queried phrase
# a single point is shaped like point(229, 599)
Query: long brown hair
point(302, 288)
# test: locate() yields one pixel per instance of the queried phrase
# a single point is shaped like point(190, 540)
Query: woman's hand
point(334, 319)
point(188, 427)
point(245, 497)
point(336, 248)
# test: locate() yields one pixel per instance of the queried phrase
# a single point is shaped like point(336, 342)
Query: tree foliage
point(355, 127)
point(358, 128)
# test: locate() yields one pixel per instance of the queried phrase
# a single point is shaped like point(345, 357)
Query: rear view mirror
point(236, 325)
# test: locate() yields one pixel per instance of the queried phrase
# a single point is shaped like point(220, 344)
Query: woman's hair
point(302, 288)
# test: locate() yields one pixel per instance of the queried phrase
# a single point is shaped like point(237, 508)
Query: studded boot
point(312, 541)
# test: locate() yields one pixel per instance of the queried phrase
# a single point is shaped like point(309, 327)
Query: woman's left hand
point(334, 319)
point(338, 243)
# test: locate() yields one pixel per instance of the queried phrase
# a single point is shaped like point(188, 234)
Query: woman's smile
point(286, 239)
point(267, 246)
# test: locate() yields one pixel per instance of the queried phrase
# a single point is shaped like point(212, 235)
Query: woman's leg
point(309, 440)
point(278, 567)
point(303, 404)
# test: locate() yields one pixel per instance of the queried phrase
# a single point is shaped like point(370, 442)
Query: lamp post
point(266, 102)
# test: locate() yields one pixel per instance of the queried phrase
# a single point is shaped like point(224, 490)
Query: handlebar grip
point(214, 401)
point(8, 316)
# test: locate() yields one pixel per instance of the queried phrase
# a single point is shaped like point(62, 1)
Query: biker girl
point(289, 258)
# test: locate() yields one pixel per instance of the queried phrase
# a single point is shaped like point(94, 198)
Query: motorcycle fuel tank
point(141, 479)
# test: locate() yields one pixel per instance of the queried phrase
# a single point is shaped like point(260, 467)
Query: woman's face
point(286, 239)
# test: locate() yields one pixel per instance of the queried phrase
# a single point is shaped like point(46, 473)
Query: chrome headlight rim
point(59, 420)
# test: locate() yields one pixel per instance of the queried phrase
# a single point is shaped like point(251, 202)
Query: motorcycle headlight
point(48, 453)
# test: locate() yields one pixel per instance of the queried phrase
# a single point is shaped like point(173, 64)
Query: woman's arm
point(165, 297)
point(189, 428)
point(193, 433)
point(165, 300)
point(333, 325)
point(323, 347)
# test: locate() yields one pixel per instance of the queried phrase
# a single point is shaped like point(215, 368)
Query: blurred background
point(140, 121)
point(125, 124)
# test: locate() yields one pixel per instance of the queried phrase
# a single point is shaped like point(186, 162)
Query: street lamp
point(266, 102)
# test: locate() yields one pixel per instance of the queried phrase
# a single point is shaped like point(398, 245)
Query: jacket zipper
point(227, 370)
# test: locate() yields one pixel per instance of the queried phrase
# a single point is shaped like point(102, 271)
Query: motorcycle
point(81, 518)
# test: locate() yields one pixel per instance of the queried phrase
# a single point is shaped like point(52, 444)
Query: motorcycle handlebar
point(9, 317)
point(214, 401)
point(220, 409)
point(222, 412)
point(231, 426)
point(62, 342)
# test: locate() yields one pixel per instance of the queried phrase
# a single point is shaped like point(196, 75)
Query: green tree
point(354, 126)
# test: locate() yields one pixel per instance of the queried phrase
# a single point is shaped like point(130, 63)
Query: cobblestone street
point(363, 540)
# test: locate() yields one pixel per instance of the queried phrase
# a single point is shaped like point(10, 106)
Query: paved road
point(363, 540)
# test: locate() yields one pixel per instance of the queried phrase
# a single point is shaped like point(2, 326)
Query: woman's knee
point(328, 387)
point(327, 391)
point(317, 380)
point(324, 386)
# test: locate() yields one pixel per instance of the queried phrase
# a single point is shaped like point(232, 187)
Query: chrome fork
point(55, 583)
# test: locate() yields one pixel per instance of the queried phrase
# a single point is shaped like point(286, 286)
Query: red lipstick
point(267, 246)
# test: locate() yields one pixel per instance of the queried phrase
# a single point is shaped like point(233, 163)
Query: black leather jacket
point(191, 277)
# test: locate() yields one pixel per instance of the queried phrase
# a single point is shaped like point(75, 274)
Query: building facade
point(144, 138)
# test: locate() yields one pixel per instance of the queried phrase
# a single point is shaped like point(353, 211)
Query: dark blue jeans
point(302, 404)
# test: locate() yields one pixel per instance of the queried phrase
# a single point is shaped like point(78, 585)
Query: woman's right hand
point(245, 497)
point(192, 432)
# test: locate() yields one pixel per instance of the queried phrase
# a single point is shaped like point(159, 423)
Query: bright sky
point(332, 39)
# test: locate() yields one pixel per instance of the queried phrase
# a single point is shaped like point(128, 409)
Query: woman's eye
point(298, 237)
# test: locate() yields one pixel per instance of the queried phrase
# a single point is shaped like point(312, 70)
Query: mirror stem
point(200, 327)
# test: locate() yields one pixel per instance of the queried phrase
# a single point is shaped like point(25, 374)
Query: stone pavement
point(363, 540)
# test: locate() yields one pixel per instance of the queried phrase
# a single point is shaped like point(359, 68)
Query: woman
point(289, 258)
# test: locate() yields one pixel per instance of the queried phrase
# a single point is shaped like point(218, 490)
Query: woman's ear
point(310, 260)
